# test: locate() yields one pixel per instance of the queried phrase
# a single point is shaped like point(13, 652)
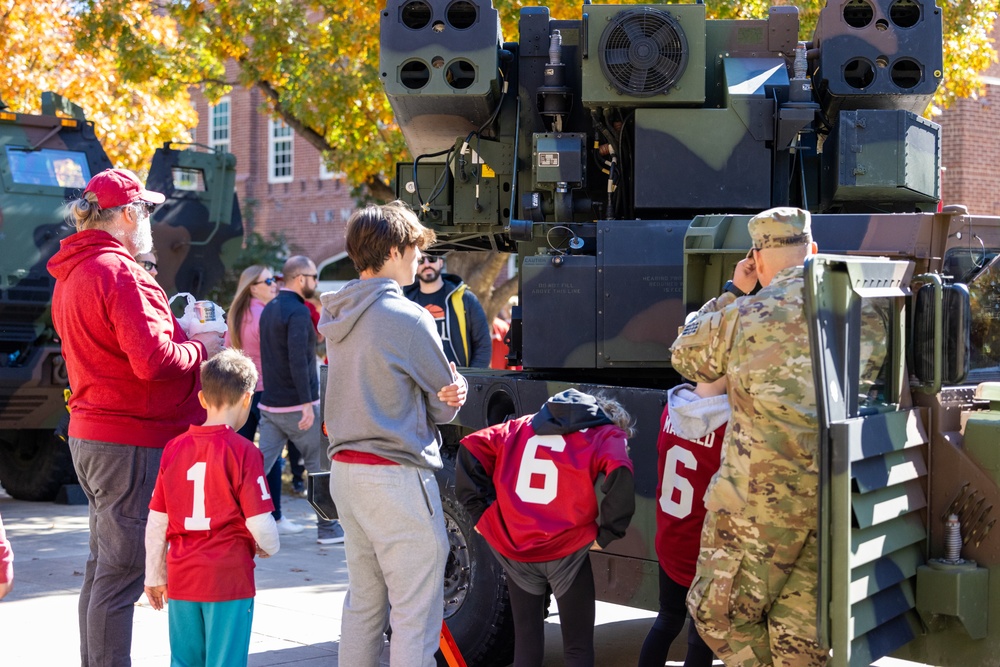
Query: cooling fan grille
point(643, 52)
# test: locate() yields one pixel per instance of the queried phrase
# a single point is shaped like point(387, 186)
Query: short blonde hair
point(227, 377)
point(373, 231)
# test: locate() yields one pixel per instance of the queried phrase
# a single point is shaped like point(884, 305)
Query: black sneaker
point(332, 536)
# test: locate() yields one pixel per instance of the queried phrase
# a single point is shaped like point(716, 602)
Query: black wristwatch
point(731, 287)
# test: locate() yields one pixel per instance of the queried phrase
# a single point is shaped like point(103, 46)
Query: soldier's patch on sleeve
point(699, 332)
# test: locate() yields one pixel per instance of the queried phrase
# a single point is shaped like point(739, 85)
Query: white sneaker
point(288, 527)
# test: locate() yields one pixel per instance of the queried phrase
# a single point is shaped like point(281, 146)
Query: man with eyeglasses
point(289, 406)
point(460, 319)
point(135, 384)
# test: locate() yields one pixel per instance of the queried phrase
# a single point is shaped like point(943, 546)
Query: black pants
point(668, 624)
point(576, 619)
point(296, 464)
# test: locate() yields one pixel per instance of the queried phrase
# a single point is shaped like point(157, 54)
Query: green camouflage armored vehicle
point(45, 161)
point(620, 154)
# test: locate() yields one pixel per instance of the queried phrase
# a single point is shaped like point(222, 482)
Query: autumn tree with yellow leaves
point(130, 64)
point(133, 116)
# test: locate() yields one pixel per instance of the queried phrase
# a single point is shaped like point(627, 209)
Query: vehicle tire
point(34, 464)
point(476, 606)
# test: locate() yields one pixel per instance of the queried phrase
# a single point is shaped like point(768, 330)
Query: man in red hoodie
point(134, 375)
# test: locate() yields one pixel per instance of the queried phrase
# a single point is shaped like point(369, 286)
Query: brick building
point(281, 180)
point(970, 149)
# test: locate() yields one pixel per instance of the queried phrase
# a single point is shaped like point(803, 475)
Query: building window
point(218, 135)
point(279, 154)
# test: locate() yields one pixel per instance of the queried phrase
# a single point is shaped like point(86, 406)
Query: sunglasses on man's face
point(146, 264)
point(266, 281)
point(146, 207)
point(427, 259)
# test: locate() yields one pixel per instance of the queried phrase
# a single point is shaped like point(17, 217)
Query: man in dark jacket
point(289, 405)
point(460, 319)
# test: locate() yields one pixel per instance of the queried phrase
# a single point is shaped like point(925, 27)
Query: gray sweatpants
point(396, 553)
point(276, 428)
point(118, 481)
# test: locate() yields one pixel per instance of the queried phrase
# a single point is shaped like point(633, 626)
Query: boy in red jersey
point(689, 447)
point(542, 469)
point(212, 506)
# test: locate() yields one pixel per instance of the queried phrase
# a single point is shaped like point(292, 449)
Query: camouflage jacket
point(769, 471)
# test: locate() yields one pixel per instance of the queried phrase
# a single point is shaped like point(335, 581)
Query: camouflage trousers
point(754, 597)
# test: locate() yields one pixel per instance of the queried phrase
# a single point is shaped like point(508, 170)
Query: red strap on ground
point(449, 649)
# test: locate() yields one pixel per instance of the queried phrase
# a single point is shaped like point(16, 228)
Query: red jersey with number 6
point(685, 469)
point(211, 479)
point(545, 505)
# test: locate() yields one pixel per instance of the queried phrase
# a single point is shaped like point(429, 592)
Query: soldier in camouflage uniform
point(754, 597)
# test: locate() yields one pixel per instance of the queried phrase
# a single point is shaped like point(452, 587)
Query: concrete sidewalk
point(300, 594)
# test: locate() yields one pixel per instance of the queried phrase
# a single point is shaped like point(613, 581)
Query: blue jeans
point(118, 481)
point(248, 431)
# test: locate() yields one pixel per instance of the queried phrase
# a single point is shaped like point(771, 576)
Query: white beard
point(141, 240)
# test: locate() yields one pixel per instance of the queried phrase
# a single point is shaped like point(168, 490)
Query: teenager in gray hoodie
point(389, 385)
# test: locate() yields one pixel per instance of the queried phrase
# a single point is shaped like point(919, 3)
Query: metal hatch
point(873, 448)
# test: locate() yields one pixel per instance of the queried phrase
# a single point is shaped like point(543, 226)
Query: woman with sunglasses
point(256, 288)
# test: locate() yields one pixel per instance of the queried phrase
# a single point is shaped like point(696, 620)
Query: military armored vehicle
point(620, 154)
point(46, 160)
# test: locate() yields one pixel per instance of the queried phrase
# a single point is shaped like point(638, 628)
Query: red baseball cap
point(117, 187)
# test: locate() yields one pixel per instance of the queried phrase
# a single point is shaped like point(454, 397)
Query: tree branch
point(312, 136)
point(379, 189)
point(500, 296)
point(376, 185)
point(480, 270)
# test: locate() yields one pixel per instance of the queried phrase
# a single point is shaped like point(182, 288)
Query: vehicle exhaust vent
point(643, 52)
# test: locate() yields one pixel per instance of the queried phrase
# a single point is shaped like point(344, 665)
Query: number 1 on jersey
point(264, 495)
point(198, 520)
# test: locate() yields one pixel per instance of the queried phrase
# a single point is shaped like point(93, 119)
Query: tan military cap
point(778, 227)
